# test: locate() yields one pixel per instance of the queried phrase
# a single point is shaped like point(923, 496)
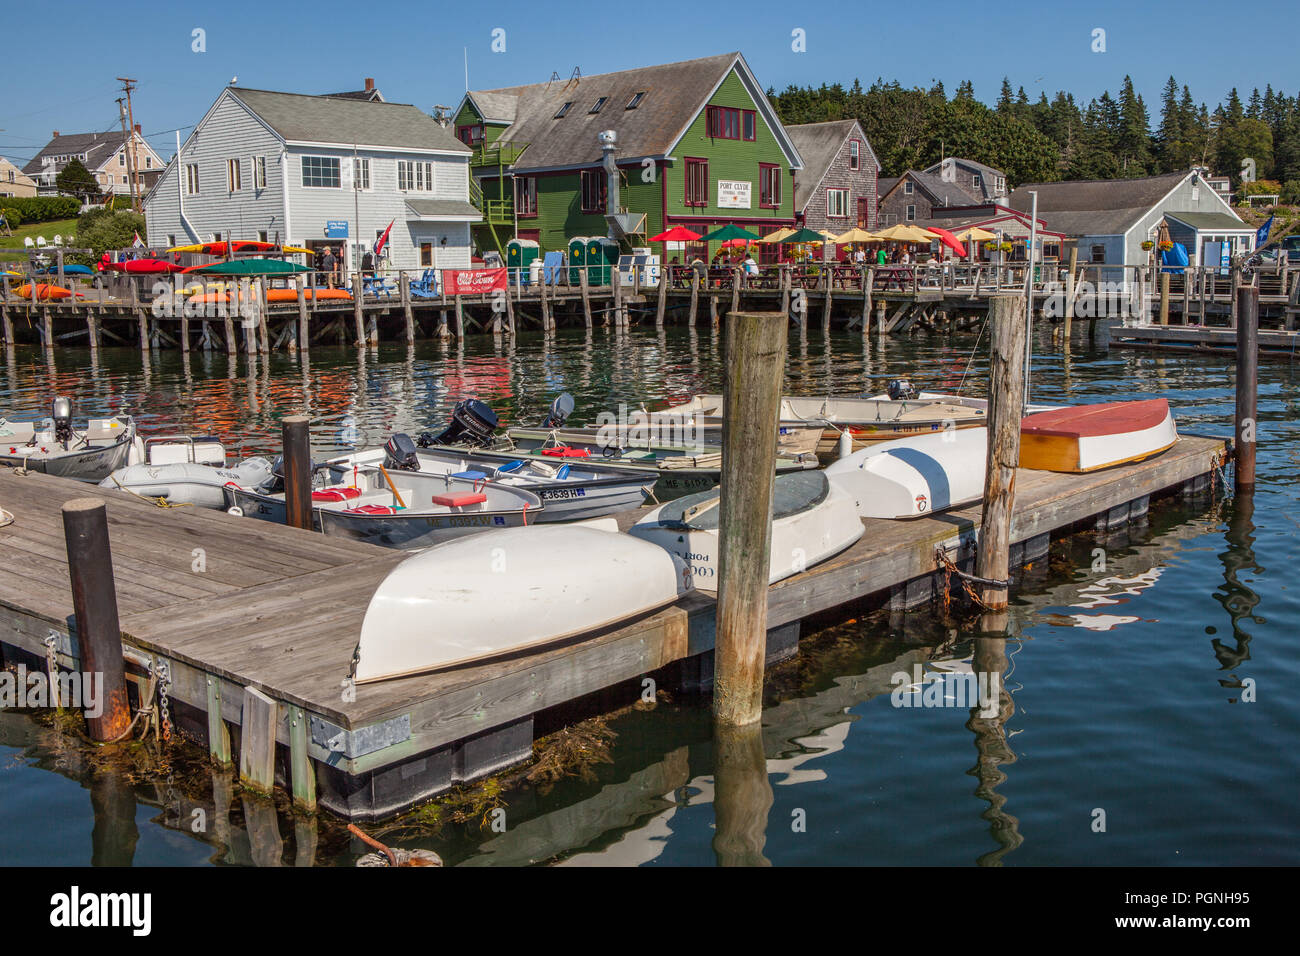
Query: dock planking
point(280, 609)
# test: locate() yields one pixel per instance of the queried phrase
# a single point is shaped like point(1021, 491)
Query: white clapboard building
point(315, 171)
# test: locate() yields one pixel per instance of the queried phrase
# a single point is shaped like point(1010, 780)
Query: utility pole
point(132, 164)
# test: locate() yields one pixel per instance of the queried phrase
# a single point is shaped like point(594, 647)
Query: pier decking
point(230, 604)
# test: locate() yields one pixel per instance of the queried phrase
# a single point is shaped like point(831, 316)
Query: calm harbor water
point(1129, 687)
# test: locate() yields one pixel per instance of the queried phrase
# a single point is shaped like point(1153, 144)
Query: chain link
point(164, 708)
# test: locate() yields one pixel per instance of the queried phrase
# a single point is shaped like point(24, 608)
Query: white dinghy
point(184, 470)
point(811, 521)
point(54, 447)
point(508, 591)
point(910, 477)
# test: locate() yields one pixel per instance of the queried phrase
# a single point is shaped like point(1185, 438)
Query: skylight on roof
point(599, 103)
point(563, 109)
point(635, 101)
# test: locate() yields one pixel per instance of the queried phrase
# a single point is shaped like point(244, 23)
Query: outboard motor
point(61, 412)
point(275, 483)
point(399, 452)
point(900, 389)
point(561, 409)
point(472, 423)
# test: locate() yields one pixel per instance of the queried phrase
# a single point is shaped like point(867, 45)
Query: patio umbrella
point(729, 231)
point(249, 267)
point(737, 243)
point(949, 240)
point(779, 236)
point(856, 234)
point(905, 233)
point(803, 236)
point(975, 234)
point(676, 234)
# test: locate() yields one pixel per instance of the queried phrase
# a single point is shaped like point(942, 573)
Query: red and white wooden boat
point(1083, 438)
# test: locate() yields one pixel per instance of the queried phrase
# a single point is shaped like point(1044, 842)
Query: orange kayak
point(45, 292)
point(277, 295)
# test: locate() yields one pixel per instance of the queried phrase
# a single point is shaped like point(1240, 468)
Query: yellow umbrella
point(976, 234)
point(856, 234)
point(779, 235)
point(906, 233)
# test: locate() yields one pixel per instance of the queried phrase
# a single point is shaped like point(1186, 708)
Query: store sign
point(473, 281)
point(733, 194)
point(336, 229)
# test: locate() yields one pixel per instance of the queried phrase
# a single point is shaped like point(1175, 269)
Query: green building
point(696, 144)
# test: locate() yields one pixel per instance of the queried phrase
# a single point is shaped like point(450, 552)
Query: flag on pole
point(1261, 235)
point(383, 240)
point(138, 243)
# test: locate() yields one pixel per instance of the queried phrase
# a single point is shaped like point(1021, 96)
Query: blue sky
point(415, 51)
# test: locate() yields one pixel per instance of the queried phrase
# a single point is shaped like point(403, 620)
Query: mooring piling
point(297, 472)
point(1247, 427)
point(94, 602)
point(1006, 406)
point(754, 370)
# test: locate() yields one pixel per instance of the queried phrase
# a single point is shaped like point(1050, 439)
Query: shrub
point(34, 209)
point(102, 230)
point(12, 216)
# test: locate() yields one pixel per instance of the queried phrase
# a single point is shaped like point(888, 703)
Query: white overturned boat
point(184, 470)
point(396, 509)
point(510, 591)
point(570, 490)
point(1084, 438)
point(811, 521)
point(910, 477)
point(53, 447)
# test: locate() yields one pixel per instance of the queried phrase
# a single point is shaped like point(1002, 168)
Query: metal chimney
point(608, 139)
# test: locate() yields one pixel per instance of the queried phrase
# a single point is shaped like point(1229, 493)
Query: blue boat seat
point(511, 466)
point(471, 475)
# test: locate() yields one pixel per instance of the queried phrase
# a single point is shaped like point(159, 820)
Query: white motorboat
point(812, 520)
point(185, 470)
point(910, 477)
point(510, 591)
point(570, 490)
point(53, 447)
point(396, 509)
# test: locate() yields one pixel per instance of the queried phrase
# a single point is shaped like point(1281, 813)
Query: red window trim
point(847, 196)
point(460, 130)
point(690, 161)
point(716, 128)
point(776, 180)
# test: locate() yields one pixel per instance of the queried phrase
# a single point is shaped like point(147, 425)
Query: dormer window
point(975, 180)
point(635, 101)
point(563, 109)
point(599, 103)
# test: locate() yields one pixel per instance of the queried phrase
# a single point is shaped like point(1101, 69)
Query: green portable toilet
point(577, 258)
point(520, 254)
point(602, 255)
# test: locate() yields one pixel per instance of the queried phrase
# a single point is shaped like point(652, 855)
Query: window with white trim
point(121, 158)
point(234, 177)
point(192, 178)
point(855, 155)
point(414, 176)
point(908, 188)
point(259, 172)
point(361, 173)
point(911, 214)
point(837, 203)
point(975, 180)
point(321, 172)
point(526, 196)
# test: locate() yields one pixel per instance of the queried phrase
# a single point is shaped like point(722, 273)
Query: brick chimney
point(55, 135)
point(370, 84)
point(137, 128)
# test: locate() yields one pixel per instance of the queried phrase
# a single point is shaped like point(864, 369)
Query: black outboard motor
point(561, 409)
point(399, 452)
point(900, 389)
point(472, 423)
point(61, 412)
point(275, 484)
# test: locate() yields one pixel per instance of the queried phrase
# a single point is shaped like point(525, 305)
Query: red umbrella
point(676, 234)
point(949, 240)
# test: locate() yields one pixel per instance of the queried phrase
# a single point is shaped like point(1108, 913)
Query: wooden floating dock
point(256, 625)
point(1276, 343)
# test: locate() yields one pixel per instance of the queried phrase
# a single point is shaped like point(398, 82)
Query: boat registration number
point(469, 521)
point(564, 493)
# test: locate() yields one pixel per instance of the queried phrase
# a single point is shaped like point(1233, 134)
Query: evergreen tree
point(76, 180)
point(1004, 98)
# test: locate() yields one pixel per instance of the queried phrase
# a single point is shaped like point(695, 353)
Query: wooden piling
point(1164, 298)
point(548, 321)
point(1006, 406)
point(616, 283)
point(94, 603)
point(695, 297)
point(735, 289)
point(1187, 295)
point(139, 314)
point(868, 280)
point(665, 276)
point(404, 291)
point(784, 282)
point(1247, 423)
point(754, 370)
point(510, 314)
point(1069, 294)
point(218, 732)
point(4, 313)
point(358, 304)
point(586, 296)
point(1233, 284)
point(304, 335)
point(443, 332)
point(257, 726)
point(259, 307)
point(829, 279)
point(460, 319)
point(302, 772)
point(296, 443)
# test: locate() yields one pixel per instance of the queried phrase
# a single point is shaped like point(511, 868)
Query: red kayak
point(142, 266)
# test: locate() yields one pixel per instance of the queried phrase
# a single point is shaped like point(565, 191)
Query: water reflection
point(993, 751)
point(1236, 596)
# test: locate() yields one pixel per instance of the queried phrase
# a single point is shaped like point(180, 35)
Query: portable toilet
point(520, 256)
point(602, 254)
point(577, 258)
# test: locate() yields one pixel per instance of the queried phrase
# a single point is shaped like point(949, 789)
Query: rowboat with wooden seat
point(1082, 438)
point(865, 420)
point(812, 520)
point(452, 605)
point(397, 510)
point(53, 447)
point(571, 490)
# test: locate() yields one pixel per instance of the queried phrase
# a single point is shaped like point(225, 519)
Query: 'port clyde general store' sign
point(733, 194)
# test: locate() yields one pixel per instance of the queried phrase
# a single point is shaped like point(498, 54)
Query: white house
point(319, 171)
point(104, 154)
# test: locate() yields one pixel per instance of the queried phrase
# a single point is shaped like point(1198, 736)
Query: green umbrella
point(729, 231)
point(804, 235)
point(249, 267)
